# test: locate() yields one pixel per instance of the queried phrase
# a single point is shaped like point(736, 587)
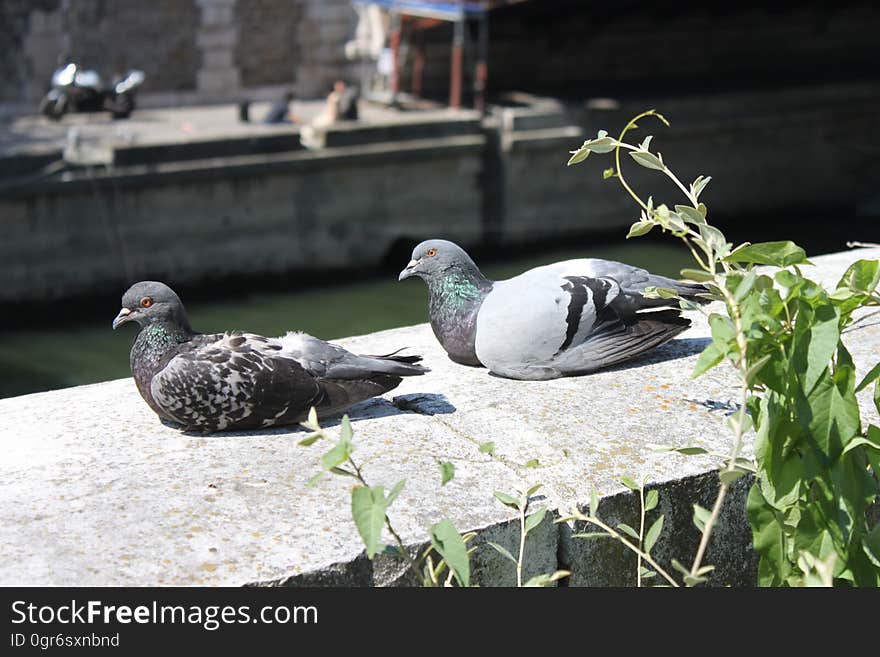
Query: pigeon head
point(151, 302)
point(435, 257)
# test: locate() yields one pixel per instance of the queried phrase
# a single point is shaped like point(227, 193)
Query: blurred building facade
point(192, 51)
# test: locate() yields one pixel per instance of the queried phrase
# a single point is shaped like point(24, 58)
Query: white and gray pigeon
point(563, 319)
point(243, 381)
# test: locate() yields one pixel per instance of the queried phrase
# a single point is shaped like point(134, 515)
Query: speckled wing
point(234, 381)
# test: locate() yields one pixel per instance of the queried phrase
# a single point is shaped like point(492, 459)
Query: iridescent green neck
point(155, 341)
point(456, 293)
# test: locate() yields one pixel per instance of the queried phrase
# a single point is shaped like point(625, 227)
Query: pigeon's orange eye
point(431, 253)
point(146, 302)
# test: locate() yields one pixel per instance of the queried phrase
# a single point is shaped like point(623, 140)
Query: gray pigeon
point(237, 380)
point(563, 319)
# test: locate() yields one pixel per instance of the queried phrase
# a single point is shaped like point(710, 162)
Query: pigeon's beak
point(409, 270)
point(123, 317)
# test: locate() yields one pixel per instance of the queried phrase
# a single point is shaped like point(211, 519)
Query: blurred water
point(32, 360)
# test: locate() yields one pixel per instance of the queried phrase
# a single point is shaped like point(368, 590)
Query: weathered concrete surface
point(95, 491)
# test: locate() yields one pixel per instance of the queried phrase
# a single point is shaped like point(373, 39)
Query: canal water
point(52, 355)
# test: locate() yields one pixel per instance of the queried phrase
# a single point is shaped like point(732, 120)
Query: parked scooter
point(75, 90)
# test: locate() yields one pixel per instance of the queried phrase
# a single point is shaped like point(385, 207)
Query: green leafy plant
point(640, 542)
point(369, 509)
point(446, 562)
point(816, 465)
point(520, 502)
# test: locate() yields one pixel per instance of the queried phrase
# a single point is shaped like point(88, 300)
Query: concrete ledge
point(224, 168)
point(95, 491)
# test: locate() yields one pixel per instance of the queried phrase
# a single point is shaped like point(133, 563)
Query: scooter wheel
point(123, 106)
point(54, 108)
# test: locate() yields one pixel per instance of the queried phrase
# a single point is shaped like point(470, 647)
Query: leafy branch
point(644, 541)
point(520, 503)
point(782, 336)
point(369, 508)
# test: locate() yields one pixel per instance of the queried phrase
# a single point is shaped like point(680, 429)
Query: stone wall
point(325, 27)
point(24, 23)
point(344, 207)
point(192, 51)
point(268, 50)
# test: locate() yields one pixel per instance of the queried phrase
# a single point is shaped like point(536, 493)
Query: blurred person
point(341, 105)
point(280, 110)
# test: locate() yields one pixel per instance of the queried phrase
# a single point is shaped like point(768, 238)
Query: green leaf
point(449, 544)
point(312, 421)
point(532, 463)
point(755, 368)
point(503, 551)
point(701, 517)
point(690, 450)
point(653, 534)
point(305, 442)
point(602, 145)
point(534, 489)
point(730, 476)
point(343, 472)
point(870, 377)
point(652, 497)
point(830, 414)
point(447, 472)
point(698, 275)
point(690, 214)
point(314, 479)
point(647, 160)
point(679, 567)
point(699, 185)
point(592, 535)
point(842, 294)
point(345, 432)
point(629, 483)
point(535, 519)
point(861, 276)
point(640, 228)
point(487, 447)
point(768, 539)
point(714, 239)
point(395, 491)
point(579, 155)
point(654, 292)
point(626, 529)
point(546, 580)
point(646, 143)
point(675, 223)
point(608, 173)
point(368, 510)
point(817, 335)
point(506, 500)
point(336, 456)
point(594, 503)
point(779, 254)
point(871, 545)
point(709, 358)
